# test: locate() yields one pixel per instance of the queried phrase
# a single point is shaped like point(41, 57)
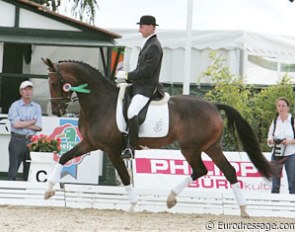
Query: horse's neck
point(102, 92)
point(103, 97)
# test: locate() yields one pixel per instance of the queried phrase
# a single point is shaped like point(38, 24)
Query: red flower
point(44, 144)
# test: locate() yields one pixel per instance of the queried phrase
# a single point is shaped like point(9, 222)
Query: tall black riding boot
point(132, 138)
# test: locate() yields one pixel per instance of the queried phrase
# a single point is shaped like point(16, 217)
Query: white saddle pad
point(156, 123)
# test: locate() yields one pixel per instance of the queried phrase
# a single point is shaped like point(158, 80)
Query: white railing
point(114, 197)
point(27, 193)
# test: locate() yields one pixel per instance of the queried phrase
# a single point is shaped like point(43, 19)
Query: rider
point(144, 79)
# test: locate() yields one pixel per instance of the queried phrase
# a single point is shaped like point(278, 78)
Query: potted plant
point(42, 148)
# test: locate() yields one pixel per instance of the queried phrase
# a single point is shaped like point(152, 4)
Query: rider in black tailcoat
point(144, 79)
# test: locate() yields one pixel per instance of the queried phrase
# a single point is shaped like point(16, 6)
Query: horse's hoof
point(171, 204)
point(132, 207)
point(244, 214)
point(171, 200)
point(49, 194)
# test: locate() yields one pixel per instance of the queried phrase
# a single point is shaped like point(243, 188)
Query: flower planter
point(44, 157)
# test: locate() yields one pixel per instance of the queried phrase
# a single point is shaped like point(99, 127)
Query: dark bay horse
point(195, 124)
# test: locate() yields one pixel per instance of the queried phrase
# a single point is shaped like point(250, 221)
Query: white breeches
point(137, 103)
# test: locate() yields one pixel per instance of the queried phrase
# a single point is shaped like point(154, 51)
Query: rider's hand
point(121, 75)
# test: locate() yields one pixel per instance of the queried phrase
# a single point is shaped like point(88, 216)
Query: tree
point(54, 4)
point(231, 90)
point(256, 106)
point(83, 10)
point(228, 88)
point(265, 109)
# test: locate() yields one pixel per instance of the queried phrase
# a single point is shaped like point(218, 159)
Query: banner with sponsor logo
point(164, 169)
point(82, 169)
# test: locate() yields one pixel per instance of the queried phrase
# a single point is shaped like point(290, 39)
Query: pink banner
point(166, 168)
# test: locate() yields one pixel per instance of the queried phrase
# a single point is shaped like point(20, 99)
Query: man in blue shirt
point(25, 117)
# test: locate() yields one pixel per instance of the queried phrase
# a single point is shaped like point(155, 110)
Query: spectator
point(25, 118)
point(281, 137)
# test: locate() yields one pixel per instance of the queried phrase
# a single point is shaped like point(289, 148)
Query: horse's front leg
point(54, 177)
point(122, 171)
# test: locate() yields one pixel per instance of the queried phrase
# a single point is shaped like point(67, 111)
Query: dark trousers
point(289, 163)
point(18, 153)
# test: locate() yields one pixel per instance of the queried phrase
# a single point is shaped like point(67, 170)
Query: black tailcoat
point(145, 77)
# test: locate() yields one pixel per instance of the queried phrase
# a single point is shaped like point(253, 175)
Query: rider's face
point(146, 30)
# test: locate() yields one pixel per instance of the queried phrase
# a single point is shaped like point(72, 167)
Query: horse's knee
point(65, 158)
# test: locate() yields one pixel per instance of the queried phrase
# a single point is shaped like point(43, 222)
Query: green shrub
point(257, 106)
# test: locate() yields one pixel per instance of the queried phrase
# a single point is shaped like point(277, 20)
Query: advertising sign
point(164, 169)
point(84, 169)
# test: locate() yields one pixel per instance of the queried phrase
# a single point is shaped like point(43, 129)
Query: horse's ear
point(49, 64)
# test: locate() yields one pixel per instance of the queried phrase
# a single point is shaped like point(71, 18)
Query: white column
point(188, 45)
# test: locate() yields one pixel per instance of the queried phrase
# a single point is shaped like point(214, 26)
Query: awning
point(57, 38)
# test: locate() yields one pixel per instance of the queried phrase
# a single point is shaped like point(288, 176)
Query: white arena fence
point(153, 200)
point(154, 173)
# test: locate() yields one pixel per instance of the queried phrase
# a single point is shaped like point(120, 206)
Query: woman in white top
point(281, 137)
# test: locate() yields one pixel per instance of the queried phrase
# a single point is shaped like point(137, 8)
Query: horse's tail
point(248, 139)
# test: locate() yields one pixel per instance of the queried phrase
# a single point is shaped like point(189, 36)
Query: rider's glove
point(122, 75)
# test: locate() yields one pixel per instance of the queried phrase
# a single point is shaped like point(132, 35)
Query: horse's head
point(59, 89)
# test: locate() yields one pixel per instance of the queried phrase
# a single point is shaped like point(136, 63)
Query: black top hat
point(148, 20)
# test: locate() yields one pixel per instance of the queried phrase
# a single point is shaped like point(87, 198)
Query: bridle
point(60, 100)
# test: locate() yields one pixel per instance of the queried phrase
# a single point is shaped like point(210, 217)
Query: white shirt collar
point(146, 39)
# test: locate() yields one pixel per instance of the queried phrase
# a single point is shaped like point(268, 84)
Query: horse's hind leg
point(217, 156)
point(198, 169)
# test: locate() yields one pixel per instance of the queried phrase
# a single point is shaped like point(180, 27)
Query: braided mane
point(90, 68)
